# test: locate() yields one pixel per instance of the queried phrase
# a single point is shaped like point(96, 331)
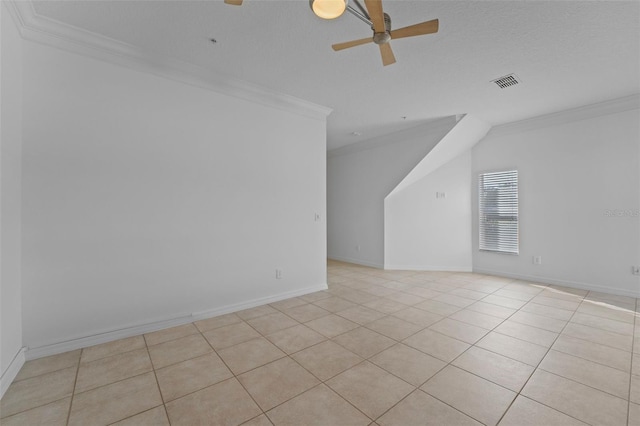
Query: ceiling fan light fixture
point(328, 9)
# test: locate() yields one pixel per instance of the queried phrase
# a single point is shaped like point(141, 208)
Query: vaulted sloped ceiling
point(566, 54)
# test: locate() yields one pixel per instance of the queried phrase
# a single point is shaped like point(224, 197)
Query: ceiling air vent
point(506, 81)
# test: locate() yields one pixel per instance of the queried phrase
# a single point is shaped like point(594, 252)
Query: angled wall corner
point(427, 216)
point(467, 132)
point(360, 176)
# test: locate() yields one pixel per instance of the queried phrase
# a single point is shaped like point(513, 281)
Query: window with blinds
point(498, 196)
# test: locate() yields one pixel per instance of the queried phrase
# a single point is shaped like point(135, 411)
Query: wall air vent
point(506, 81)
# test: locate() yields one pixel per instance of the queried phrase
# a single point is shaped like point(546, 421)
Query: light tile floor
point(377, 348)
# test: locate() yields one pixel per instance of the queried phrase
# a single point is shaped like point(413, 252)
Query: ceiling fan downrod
point(361, 13)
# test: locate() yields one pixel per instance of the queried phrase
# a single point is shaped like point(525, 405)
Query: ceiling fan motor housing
point(385, 37)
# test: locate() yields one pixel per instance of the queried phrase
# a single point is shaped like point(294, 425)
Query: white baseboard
point(427, 268)
point(105, 336)
point(12, 371)
point(565, 283)
point(356, 261)
point(256, 302)
point(138, 329)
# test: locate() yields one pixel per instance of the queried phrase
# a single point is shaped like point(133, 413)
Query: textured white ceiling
point(567, 54)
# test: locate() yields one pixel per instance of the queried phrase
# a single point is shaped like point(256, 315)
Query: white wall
point(423, 232)
point(570, 175)
point(147, 199)
point(11, 357)
point(358, 180)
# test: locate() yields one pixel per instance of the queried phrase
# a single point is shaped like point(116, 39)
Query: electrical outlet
point(635, 270)
point(278, 274)
point(537, 260)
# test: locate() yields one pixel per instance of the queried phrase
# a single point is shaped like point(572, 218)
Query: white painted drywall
point(467, 132)
point(10, 197)
point(571, 175)
point(423, 232)
point(147, 199)
point(358, 180)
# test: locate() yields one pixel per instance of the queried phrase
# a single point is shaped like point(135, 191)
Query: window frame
point(509, 244)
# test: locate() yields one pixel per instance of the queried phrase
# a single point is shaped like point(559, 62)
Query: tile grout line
point(428, 394)
point(450, 363)
point(580, 383)
point(287, 355)
point(595, 343)
point(235, 376)
point(474, 345)
point(136, 414)
point(452, 289)
point(130, 377)
point(322, 382)
point(604, 365)
point(417, 388)
point(155, 375)
point(602, 329)
point(538, 367)
point(519, 393)
point(586, 359)
point(567, 323)
point(73, 391)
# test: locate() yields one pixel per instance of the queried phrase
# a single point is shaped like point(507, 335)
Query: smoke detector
point(506, 81)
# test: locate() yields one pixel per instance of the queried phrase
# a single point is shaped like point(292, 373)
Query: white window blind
point(498, 193)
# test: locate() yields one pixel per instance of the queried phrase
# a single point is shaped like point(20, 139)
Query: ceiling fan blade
point(374, 7)
point(387, 54)
point(423, 28)
point(234, 2)
point(352, 43)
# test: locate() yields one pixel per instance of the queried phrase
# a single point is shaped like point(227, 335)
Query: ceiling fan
point(382, 33)
point(373, 15)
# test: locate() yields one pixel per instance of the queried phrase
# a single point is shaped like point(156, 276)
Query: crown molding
point(612, 106)
point(438, 125)
point(40, 29)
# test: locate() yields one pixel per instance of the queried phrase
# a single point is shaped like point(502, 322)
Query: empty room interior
point(325, 212)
